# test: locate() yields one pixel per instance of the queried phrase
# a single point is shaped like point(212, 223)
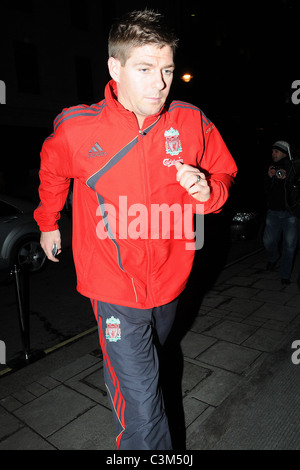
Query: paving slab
point(243, 280)
point(214, 300)
point(24, 396)
point(53, 410)
point(202, 322)
point(294, 301)
point(193, 344)
point(271, 421)
point(74, 367)
point(274, 297)
point(10, 403)
point(192, 409)
point(193, 374)
point(215, 388)
point(25, 439)
point(278, 312)
point(264, 339)
point(218, 312)
point(36, 389)
point(8, 423)
point(245, 306)
point(277, 325)
point(93, 430)
point(241, 292)
point(232, 331)
point(268, 284)
point(228, 356)
point(90, 383)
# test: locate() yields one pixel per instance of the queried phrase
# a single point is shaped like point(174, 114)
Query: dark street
point(89, 113)
point(58, 313)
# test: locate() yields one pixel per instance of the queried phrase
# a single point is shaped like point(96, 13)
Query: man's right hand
point(48, 239)
point(272, 171)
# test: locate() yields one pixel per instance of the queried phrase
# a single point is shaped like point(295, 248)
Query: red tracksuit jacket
point(128, 247)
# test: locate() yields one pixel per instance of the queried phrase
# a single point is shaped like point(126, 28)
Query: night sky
point(244, 57)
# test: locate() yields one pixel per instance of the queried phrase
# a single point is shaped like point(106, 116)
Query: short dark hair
point(138, 28)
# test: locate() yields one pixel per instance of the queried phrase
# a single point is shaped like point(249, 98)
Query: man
point(280, 222)
point(130, 154)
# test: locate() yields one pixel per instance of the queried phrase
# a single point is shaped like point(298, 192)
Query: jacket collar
point(111, 98)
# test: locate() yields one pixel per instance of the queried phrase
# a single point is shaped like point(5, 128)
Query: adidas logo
point(96, 151)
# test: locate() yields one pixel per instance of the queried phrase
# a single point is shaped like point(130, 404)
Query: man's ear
point(114, 66)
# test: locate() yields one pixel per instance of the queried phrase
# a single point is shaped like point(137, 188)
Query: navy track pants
point(130, 339)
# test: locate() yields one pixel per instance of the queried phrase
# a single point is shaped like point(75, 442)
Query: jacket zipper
point(147, 200)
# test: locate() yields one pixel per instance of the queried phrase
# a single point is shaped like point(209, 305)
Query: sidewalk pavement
point(240, 376)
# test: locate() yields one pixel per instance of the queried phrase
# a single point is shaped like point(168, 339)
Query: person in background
point(281, 224)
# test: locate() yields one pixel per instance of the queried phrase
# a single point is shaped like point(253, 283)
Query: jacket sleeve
point(219, 167)
point(55, 173)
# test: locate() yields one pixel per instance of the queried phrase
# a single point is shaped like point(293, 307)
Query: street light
point(186, 77)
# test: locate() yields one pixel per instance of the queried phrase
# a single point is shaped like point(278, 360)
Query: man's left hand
point(193, 180)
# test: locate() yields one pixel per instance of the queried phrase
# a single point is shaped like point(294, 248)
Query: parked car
point(20, 235)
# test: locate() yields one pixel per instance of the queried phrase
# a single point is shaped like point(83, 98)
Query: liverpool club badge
point(113, 331)
point(173, 144)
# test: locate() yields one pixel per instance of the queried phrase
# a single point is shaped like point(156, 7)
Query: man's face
point(144, 81)
point(277, 155)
